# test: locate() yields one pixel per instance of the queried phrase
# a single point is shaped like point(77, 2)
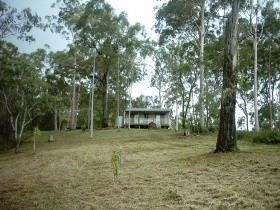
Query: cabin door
point(136, 119)
point(158, 120)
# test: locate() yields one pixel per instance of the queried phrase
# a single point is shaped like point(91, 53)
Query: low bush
point(195, 128)
point(84, 128)
point(244, 135)
point(267, 137)
point(6, 143)
point(264, 136)
point(116, 163)
point(211, 128)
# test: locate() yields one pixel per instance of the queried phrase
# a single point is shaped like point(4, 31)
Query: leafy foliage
point(267, 137)
point(263, 136)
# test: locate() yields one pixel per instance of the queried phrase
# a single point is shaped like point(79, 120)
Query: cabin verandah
point(142, 117)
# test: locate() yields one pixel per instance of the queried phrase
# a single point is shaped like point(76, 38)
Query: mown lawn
point(159, 170)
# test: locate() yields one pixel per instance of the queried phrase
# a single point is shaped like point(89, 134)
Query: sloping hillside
point(159, 169)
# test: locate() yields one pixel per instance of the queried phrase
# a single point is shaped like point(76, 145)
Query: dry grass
point(159, 170)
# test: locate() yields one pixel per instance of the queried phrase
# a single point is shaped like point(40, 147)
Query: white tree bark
point(19, 121)
point(255, 44)
point(201, 55)
point(256, 38)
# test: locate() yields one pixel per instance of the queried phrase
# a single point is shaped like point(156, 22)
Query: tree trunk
point(270, 92)
point(189, 101)
point(183, 95)
point(245, 111)
point(55, 119)
point(177, 116)
point(59, 120)
point(247, 119)
point(18, 132)
point(77, 102)
point(73, 104)
point(17, 146)
point(183, 111)
point(201, 95)
point(118, 96)
point(255, 43)
point(227, 131)
point(105, 100)
point(15, 128)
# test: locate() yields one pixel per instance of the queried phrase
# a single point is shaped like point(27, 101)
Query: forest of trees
point(52, 90)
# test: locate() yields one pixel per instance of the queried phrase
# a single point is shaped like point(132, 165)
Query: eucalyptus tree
point(64, 23)
point(245, 70)
point(18, 24)
point(114, 39)
point(181, 62)
point(256, 29)
point(143, 101)
point(213, 78)
point(226, 140)
point(70, 70)
point(7, 59)
point(161, 77)
point(188, 20)
point(21, 87)
point(58, 93)
point(268, 62)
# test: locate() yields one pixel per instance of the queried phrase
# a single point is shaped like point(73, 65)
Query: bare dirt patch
point(159, 170)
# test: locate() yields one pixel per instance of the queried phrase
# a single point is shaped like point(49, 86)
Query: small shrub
point(267, 137)
point(116, 163)
point(211, 128)
point(84, 128)
point(243, 135)
point(195, 128)
point(25, 138)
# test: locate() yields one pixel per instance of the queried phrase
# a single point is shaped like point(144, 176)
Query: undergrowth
point(264, 136)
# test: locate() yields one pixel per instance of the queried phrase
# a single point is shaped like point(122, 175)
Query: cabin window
point(146, 116)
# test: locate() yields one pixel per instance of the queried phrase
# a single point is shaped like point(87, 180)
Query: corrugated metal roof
point(148, 110)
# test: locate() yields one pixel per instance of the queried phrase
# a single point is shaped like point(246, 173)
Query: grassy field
point(159, 170)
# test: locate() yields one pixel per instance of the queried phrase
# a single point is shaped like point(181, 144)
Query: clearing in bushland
point(159, 169)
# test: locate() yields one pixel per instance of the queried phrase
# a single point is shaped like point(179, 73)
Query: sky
point(141, 11)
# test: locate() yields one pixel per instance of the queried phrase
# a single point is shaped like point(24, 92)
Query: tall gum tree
point(257, 35)
point(115, 40)
point(226, 140)
point(268, 72)
point(64, 23)
point(187, 20)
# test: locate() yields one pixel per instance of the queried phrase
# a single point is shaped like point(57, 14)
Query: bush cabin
point(142, 117)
